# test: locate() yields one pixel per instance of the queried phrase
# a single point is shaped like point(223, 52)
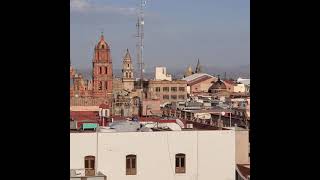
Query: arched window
point(106, 85)
point(180, 163)
point(100, 70)
point(126, 74)
point(89, 165)
point(131, 164)
point(102, 46)
point(129, 75)
point(106, 70)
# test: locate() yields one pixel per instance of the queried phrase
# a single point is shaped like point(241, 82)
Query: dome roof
point(218, 85)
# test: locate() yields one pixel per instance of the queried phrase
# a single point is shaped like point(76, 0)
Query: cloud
point(87, 6)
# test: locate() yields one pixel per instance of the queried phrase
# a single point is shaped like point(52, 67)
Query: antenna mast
point(140, 37)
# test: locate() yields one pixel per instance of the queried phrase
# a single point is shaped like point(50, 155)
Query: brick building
point(99, 89)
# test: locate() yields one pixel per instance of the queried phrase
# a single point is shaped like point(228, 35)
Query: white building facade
point(208, 154)
point(161, 74)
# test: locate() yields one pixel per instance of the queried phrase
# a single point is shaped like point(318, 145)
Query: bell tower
point(127, 72)
point(102, 70)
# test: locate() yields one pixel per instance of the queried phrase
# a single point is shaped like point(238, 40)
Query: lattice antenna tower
point(140, 38)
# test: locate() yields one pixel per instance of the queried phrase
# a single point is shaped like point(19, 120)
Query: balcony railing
point(86, 174)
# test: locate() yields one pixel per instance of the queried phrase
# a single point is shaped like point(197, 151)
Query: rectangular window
point(86, 165)
point(165, 89)
point(181, 96)
point(181, 89)
point(180, 163)
point(173, 96)
point(165, 96)
point(177, 162)
point(174, 89)
point(157, 89)
point(92, 164)
point(131, 165)
point(89, 164)
point(128, 164)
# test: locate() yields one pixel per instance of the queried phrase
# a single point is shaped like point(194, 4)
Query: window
point(181, 89)
point(129, 75)
point(102, 46)
point(174, 89)
point(131, 164)
point(89, 164)
point(100, 70)
point(157, 89)
point(180, 163)
point(165, 89)
point(165, 96)
point(126, 74)
point(173, 96)
point(106, 70)
point(181, 96)
point(128, 65)
point(106, 85)
point(100, 85)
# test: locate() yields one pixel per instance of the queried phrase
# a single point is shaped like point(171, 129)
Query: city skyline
point(175, 36)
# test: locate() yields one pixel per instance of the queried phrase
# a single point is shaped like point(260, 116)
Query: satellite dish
point(223, 113)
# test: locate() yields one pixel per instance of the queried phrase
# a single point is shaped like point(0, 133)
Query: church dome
point(217, 86)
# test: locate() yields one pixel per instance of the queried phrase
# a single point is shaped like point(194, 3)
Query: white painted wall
point(81, 145)
point(209, 154)
point(161, 74)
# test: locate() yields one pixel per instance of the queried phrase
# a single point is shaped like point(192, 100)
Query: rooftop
point(151, 126)
point(195, 76)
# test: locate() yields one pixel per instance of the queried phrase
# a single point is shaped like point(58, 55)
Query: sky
point(177, 32)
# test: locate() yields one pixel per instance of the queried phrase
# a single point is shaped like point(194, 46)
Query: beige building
point(167, 91)
point(239, 88)
point(161, 74)
point(158, 155)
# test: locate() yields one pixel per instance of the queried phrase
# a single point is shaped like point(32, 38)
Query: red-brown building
point(99, 89)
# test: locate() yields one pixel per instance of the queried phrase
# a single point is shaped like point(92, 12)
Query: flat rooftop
point(131, 126)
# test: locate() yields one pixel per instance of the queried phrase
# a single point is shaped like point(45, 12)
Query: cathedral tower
point(102, 70)
point(127, 72)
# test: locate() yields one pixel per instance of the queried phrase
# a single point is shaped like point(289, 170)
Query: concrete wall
point(150, 106)
point(242, 146)
point(209, 154)
point(81, 145)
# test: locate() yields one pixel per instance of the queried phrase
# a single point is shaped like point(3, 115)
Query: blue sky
point(177, 32)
